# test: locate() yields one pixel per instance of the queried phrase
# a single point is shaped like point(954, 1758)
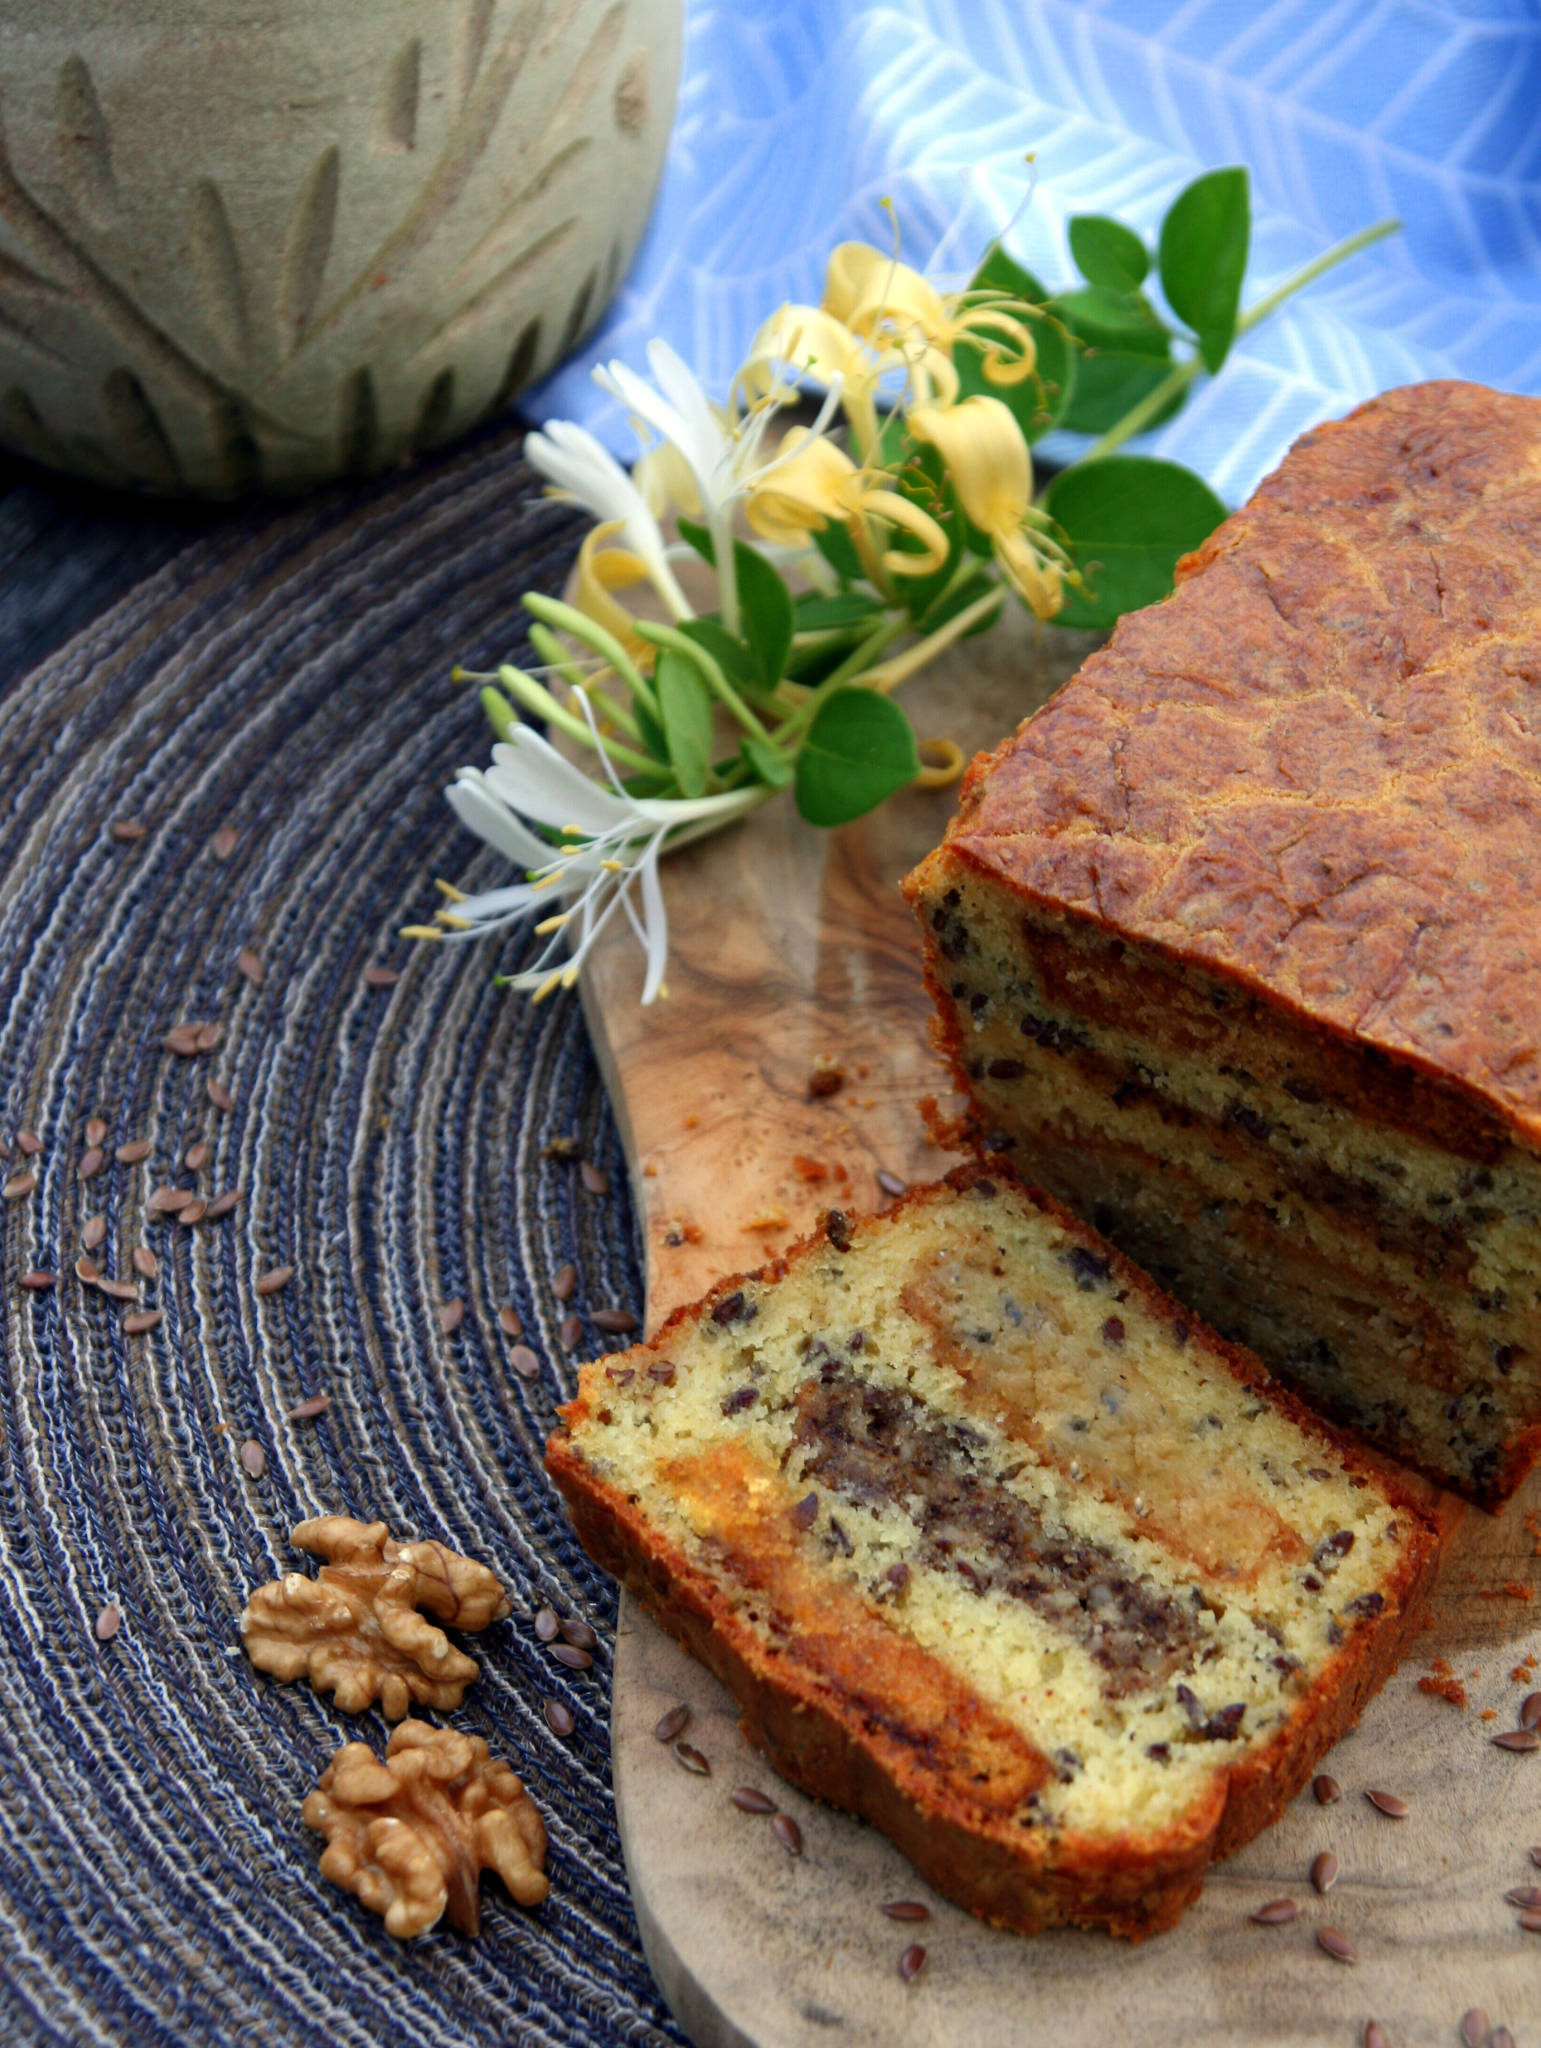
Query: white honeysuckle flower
point(613, 844)
point(572, 459)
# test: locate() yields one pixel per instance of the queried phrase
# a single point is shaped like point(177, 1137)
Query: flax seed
point(197, 1156)
point(1531, 1922)
point(578, 1633)
point(1524, 1740)
point(906, 1909)
point(118, 1290)
point(220, 1095)
point(274, 1279)
point(29, 1143)
point(1389, 1804)
point(18, 1187)
point(222, 845)
point(96, 1131)
point(165, 1201)
point(254, 1459)
point(1526, 1895)
point(1337, 1945)
point(107, 1623)
point(787, 1833)
point(381, 977)
point(1324, 1871)
point(250, 964)
point(912, 1962)
point(193, 1211)
point(451, 1316)
point(525, 1362)
point(594, 1178)
point(692, 1759)
point(127, 830)
point(92, 1160)
point(570, 1333)
point(558, 1719)
point(750, 1799)
point(1277, 1913)
point(615, 1322)
point(547, 1627)
point(92, 1231)
point(145, 1261)
point(673, 1723)
point(141, 1320)
point(310, 1407)
point(1474, 2025)
point(1530, 1710)
point(223, 1204)
point(565, 1285)
point(570, 1655)
point(209, 1036)
point(508, 1321)
point(131, 1153)
point(87, 1270)
point(182, 1039)
point(1375, 2035)
point(38, 1281)
point(891, 1184)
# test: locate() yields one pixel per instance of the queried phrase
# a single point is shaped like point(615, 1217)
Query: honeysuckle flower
point(583, 468)
point(814, 483)
point(602, 568)
point(991, 469)
point(602, 857)
point(813, 344)
point(883, 300)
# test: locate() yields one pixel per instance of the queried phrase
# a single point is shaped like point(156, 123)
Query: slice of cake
point(997, 1546)
point(1236, 945)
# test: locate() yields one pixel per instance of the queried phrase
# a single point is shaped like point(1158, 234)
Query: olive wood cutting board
point(791, 949)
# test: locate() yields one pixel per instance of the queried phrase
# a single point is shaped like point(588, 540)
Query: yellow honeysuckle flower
point(602, 569)
point(812, 341)
point(878, 297)
point(991, 469)
point(811, 483)
point(666, 481)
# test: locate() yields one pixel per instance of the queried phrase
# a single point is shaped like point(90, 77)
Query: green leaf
point(1124, 320)
point(769, 766)
point(819, 614)
point(1110, 382)
point(651, 731)
point(730, 654)
point(765, 604)
point(859, 749)
point(685, 705)
point(695, 535)
point(1126, 520)
point(839, 550)
point(1108, 253)
point(968, 592)
point(1039, 402)
point(1204, 241)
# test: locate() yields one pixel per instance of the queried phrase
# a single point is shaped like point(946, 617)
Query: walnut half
point(355, 1630)
point(412, 1835)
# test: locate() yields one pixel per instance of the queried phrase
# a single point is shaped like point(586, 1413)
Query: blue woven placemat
point(285, 676)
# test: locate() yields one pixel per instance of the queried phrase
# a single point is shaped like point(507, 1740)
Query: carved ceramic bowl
point(260, 243)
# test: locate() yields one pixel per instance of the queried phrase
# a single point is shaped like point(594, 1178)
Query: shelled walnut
point(355, 1630)
point(412, 1835)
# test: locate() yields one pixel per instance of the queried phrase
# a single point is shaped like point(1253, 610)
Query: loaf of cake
point(997, 1546)
point(1235, 945)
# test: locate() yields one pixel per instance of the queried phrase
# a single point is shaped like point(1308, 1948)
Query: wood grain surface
point(792, 949)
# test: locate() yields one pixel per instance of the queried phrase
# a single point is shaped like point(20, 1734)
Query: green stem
point(854, 663)
point(1183, 374)
point(904, 665)
point(535, 697)
point(709, 669)
point(555, 655)
point(568, 619)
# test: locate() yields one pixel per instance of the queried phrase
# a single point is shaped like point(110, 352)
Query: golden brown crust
point(825, 1740)
point(1315, 769)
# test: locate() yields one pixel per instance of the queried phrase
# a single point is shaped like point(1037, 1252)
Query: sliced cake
point(996, 1545)
point(1235, 944)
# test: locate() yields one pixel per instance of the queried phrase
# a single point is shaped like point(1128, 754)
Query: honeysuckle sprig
point(847, 545)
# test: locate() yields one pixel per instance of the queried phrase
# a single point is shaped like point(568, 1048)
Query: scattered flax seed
point(107, 1623)
point(565, 1285)
point(223, 844)
point(118, 1290)
point(381, 977)
point(1328, 1791)
point(311, 1406)
point(578, 1632)
point(570, 1655)
point(193, 1211)
point(672, 1723)
point(1375, 2035)
point(254, 1459)
point(141, 1320)
point(558, 1719)
point(182, 1039)
point(1530, 1710)
point(127, 830)
point(547, 1627)
point(18, 1187)
point(451, 1316)
point(594, 1178)
point(906, 1909)
point(133, 1151)
point(92, 1160)
point(1525, 1740)
point(165, 1201)
point(92, 1231)
point(250, 964)
point(912, 1962)
point(570, 1332)
point(1501, 2038)
point(525, 1362)
point(1277, 1913)
point(1526, 1895)
point(616, 1322)
point(209, 1036)
point(1531, 1922)
point(223, 1204)
point(274, 1279)
point(1389, 1804)
point(750, 1799)
point(1324, 1871)
point(29, 1143)
point(787, 1833)
point(891, 1184)
point(197, 1156)
point(96, 1131)
point(145, 1261)
point(87, 1270)
point(38, 1280)
point(1474, 2025)
point(508, 1321)
point(220, 1095)
point(1337, 1945)
point(692, 1759)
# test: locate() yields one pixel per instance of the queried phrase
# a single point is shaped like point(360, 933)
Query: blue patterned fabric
point(797, 117)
